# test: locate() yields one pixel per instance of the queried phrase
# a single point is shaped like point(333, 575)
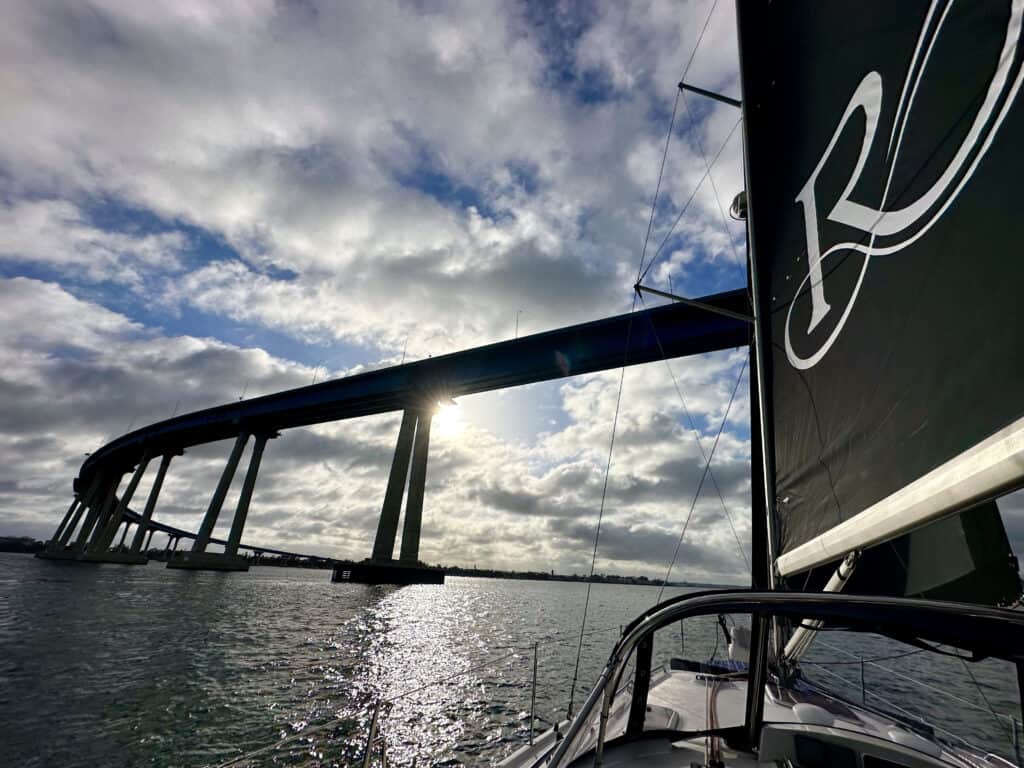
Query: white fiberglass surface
point(696, 684)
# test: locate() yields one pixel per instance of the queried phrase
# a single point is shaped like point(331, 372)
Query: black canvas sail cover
point(885, 152)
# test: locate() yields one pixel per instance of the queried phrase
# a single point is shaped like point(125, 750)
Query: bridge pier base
point(207, 561)
point(117, 557)
point(113, 556)
point(58, 553)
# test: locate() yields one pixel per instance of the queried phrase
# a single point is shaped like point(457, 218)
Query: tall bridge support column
point(198, 559)
point(85, 500)
point(65, 535)
point(91, 506)
point(387, 528)
point(99, 550)
point(154, 493)
point(99, 510)
point(105, 535)
point(75, 504)
point(382, 568)
point(242, 510)
point(217, 501)
point(57, 548)
point(417, 484)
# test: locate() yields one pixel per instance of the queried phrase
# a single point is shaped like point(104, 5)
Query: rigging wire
point(622, 374)
point(703, 477)
point(1000, 723)
point(696, 434)
point(475, 668)
point(657, 187)
point(837, 662)
point(922, 684)
point(689, 200)
point(693, 53)
point(668, 140)
point(887, 702)
point(600, 516)
point(711, 180)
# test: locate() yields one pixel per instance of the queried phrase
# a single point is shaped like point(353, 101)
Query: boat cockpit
point(683, 687)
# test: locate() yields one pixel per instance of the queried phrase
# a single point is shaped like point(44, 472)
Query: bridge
point(101, 508)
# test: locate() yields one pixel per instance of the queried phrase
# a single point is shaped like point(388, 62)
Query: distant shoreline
point(27, 545)
point(597, 578)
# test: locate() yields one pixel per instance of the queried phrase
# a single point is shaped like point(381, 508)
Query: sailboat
point(881, 151)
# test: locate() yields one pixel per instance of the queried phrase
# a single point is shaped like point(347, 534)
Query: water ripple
point(112, 665)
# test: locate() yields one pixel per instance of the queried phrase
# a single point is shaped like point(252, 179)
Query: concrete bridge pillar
point(88, 504)
point(154, 493)
point(84, 500)
point(387, 527)
point(124, 533)
point(382, 568)
point(217, 501)
point(75, 504)
point(198, 558)
point(242, 510)
point(101, 542)
point(417, 483)
point(99, 510)
point(65, 535)
point(149, 539)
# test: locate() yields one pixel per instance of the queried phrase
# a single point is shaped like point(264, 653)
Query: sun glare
point(448, 420)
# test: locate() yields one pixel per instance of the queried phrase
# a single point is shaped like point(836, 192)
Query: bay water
point(144, 666)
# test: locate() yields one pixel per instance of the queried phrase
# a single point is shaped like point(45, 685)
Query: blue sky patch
point(429, 176)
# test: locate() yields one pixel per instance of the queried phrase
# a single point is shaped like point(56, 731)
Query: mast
point(762, 490)
point(762, 465)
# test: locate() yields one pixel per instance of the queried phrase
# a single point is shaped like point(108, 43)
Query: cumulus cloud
point(380, 155)
point(87, 374)
point(197, 202)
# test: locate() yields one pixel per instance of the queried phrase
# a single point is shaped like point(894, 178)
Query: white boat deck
point(802, 728)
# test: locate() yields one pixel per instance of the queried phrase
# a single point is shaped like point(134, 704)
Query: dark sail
point(884, 167)
point(964, 558)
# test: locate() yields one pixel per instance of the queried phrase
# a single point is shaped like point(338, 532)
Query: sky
point(201, 203)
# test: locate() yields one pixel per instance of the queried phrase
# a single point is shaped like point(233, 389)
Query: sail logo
point(888, 229)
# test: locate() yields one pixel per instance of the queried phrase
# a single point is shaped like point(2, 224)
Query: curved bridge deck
point(669, 331)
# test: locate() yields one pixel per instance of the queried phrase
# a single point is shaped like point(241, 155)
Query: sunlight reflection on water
point(144, 666)
point(112, 665)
